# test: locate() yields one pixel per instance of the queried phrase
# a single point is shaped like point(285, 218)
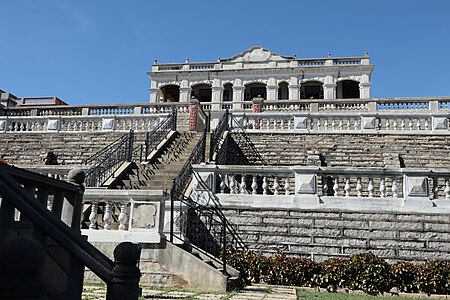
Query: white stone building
point(260, 72)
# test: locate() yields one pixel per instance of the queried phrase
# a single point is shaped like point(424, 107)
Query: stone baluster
point(333, 125)
point(336, 186)
point(387, 124)
point(122, 216)
point(324, 186)
point(222, 183)
point(264, 185)
point(107, 217)
point(254, 184)
point(370, 187)
point(356, 124)
point(232, 185)
point(325, 125)
point(418, 124)
point(282, 124)
point(347, 187)
point(289, 124)
point(318, 124)
point(358, 187)
point(402, 124)
point(287, 185)
point(394, 125)
point(394, 188)
point(447, 189)
point(243, 185)
point(348, 124)
point(382, 188)
point(93, 216)
point(410, 124)
point(426, 124)
point(276, 186)
point(340, 125)
point(267, 124)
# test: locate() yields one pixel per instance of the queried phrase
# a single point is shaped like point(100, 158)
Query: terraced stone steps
point(378, 151)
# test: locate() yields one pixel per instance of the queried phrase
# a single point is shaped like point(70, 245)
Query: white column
point(185, 91)
point(294, 89)
point(364, 87)
point(329, 88)
point(216, 94)
point(272, 89)
point(154, 92)
point(238, 94)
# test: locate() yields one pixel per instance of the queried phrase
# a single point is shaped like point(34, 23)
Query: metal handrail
point(255, 157)
point(216, 135)
point(110, 159)
point(154, 137)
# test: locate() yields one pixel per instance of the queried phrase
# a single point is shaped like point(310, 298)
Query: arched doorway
point(171, 93)
point(228, 92)
point(283, 91)
point(202, 92)
point(254, 90)
point(347, 89)
point(311, 90)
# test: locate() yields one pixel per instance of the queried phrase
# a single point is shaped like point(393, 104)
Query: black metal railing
point(203, 225)
point(154, 137)
point(244, 146)
point(51, 211)
point(217, 135)
point(108, 160)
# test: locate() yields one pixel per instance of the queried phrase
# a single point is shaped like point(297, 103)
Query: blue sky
point(98, 51)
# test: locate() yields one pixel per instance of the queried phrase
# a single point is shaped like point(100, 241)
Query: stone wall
point(325, 233)
point(354, 150)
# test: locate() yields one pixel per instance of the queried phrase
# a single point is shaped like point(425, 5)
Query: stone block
point(53, 125)
point(368, 123)
point(440, 123)
point(108, 124)
point(143, 215)
point(305, 183)
point(300, 122)
point(416, 186)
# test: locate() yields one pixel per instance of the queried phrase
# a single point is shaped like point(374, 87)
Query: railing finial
point(76, 176)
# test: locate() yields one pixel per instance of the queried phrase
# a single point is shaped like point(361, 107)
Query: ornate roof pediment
point(257, 54)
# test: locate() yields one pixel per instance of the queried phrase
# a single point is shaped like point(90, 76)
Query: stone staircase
point(29, 148)
point(360, 151)
point(160, 172)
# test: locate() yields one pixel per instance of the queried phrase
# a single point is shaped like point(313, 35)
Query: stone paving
point(253, 292)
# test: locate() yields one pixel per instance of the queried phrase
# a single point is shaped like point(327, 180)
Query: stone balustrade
point(386, 187)
point(419, 122)
point(116, 216)
point(80, 123)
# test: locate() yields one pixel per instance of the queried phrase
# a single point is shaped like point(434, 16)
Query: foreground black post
point(21, 261)
point(125, 282)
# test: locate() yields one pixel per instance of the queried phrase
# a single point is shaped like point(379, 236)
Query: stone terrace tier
point(71, 149)
point(354, 150)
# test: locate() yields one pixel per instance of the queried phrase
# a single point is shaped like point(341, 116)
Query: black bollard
point(21, 261)
point(126, 274)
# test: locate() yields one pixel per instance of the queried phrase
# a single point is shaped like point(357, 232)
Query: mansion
point(258, 72)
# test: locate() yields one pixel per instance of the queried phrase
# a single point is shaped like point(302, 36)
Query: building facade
point(258, 72)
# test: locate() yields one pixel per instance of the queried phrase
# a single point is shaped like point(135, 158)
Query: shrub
point(252, 265)
point(368, 273)
point(333, 274)
point(403, 276)
point(287, 270)
point(433, 277)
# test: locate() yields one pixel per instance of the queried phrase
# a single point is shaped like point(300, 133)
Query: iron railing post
point(224, 254)
point(172, 203)
point(147, 136)
point(130, 145)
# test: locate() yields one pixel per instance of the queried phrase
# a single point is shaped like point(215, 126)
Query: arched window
point(202, 92)
point(171, 93)
point(347, 89)
point(228, 92)
point(254, 90)
point(311, 90)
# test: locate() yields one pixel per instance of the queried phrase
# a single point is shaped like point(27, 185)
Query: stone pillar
point(257, 104)
point(329, 88)
point(364, 87)
point(294, 89)
point(217, 95)
point(272, 89)
point(193, 111)
point(154, 92)
point(185, 91)
point(238, 94)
